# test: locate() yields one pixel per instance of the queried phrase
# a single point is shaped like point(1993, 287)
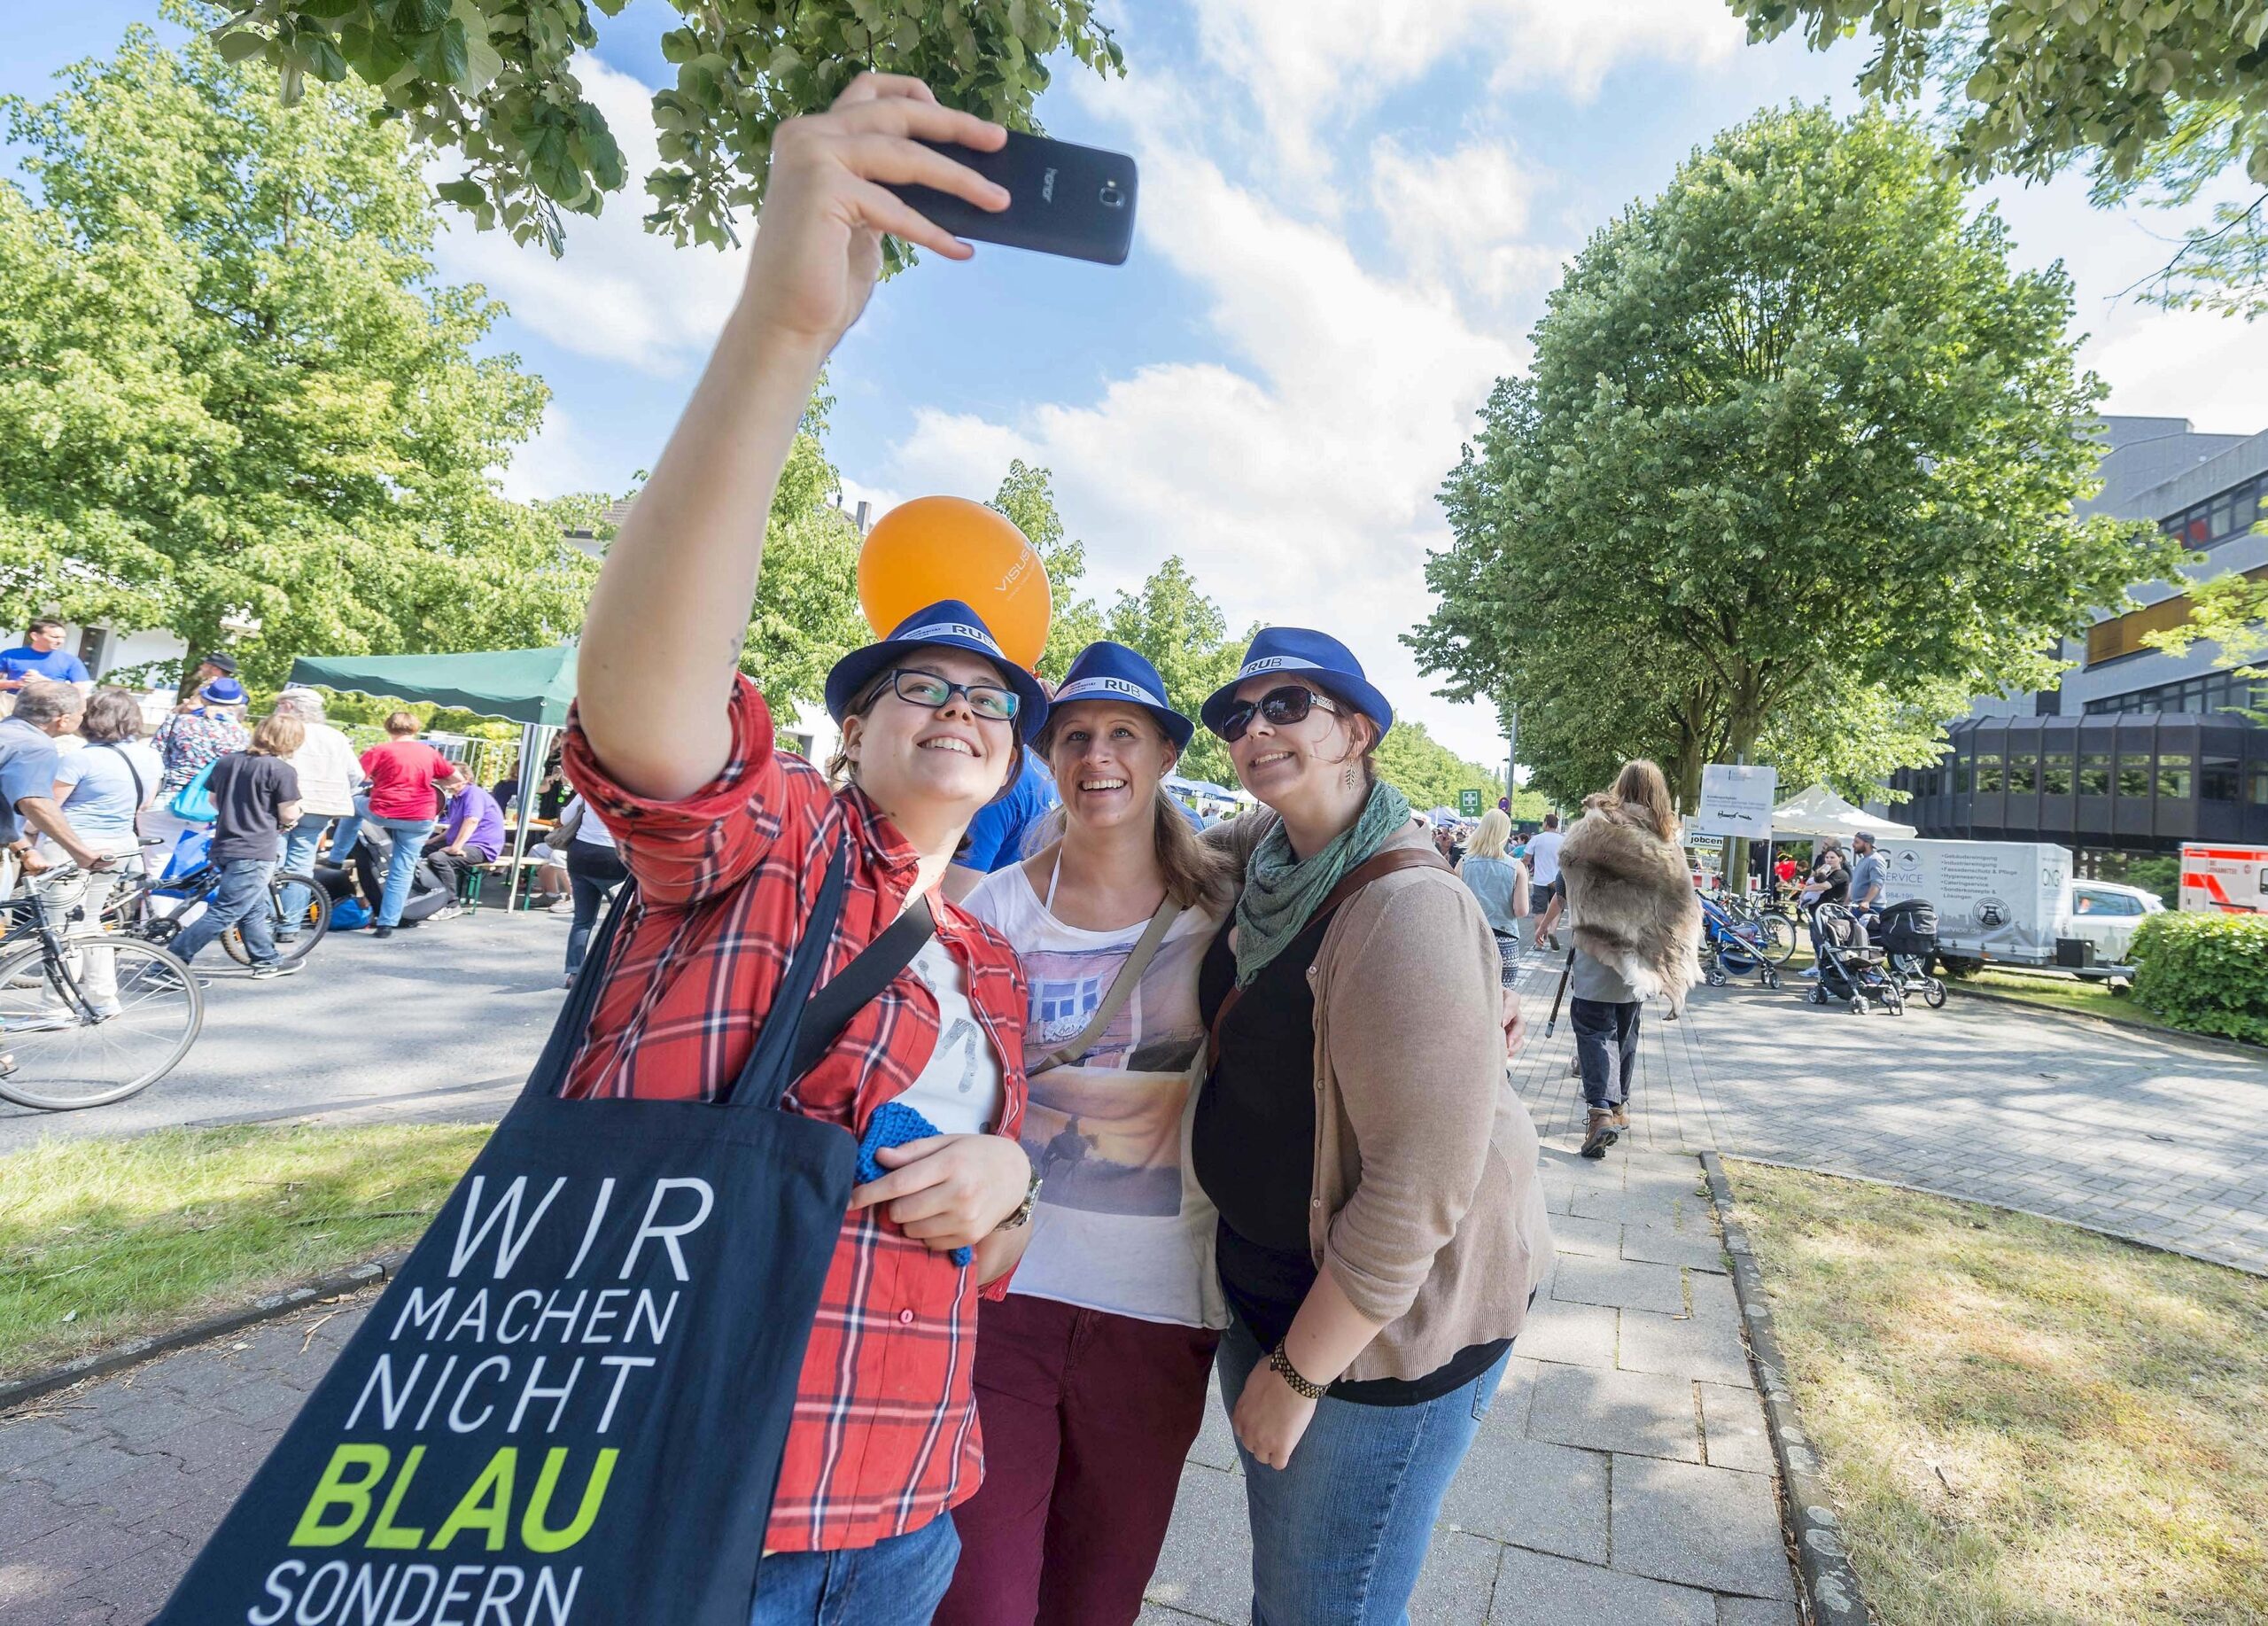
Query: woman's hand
point(819, 240)
point(1270, 1418)
point(949, 1191)
point(1515, 1024)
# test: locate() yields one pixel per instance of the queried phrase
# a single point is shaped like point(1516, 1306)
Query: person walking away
point(1500, 886)
point(256, 795)
point(1543, 867)
point(1382, 1225)
point(404, 774)
point(728, 840)
point(101, 791)
point(42, 655)
point(198, 733)
point(471, 834)
point(1090, 1374)
point(328, 771)
point(594, 868)
point(1636, 923)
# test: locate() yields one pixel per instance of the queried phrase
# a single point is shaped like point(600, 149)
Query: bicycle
point(1770, 930)
point(152, 909)
point(62, 1047)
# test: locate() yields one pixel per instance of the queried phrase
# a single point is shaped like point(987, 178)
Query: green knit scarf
point(1281, 892)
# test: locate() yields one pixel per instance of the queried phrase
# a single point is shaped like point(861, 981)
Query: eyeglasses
point(989, 701)
point(1280, 706)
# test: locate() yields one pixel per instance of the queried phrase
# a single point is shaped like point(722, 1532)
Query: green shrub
point(2208, 973)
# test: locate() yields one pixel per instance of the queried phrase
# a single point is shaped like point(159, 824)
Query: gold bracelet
point(1280, 1364)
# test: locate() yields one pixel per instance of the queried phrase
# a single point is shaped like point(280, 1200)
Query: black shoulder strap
point(848, 993)
point(141, 792)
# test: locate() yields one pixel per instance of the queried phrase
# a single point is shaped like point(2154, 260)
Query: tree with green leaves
point(806, 615)
point(1798, 449)
point(1026, 496)
point(2160, 99)
point(494, 81)
point(230, 389)
point(1186, 636)
point(1429, 772)
point(2231, 611)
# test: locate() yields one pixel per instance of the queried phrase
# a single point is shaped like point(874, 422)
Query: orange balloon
point(936, 547)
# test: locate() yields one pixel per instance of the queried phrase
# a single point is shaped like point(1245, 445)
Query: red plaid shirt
point(884, 1436)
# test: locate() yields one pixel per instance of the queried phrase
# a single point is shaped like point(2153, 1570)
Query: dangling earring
point(1347, 777)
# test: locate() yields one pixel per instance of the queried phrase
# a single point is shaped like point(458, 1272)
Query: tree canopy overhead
point(494, 81)
point(230, 387)
point(2160, 99)
point(1792, 472)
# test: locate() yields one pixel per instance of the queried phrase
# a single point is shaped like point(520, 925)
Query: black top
point(1253, 1147)
point(249, 790)
point(1838, 886)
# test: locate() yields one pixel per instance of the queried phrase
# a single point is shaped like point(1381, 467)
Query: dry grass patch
point(2024, 1423)
point(105, 1240)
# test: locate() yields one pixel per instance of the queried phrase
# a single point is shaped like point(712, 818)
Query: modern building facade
point(2136, 750)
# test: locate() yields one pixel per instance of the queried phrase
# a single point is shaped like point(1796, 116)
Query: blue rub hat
point(946, 624)
point(1297, 652)
point(223, 691)
point(1107, 671)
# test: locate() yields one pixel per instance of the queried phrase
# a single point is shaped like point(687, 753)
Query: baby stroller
point(1731, 948)
point(1908, 936)
point(1849, 968)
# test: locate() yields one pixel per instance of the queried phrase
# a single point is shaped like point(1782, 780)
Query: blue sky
point(1350, 215)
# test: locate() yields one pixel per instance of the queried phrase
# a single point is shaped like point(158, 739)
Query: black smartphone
point(1063, 198)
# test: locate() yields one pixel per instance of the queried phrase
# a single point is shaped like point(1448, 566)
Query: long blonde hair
point(1641, 785)
point(1493, 837)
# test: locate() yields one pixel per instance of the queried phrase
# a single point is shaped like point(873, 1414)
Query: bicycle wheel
point(53, 1057)
point(305, 930)
point(1775, 938)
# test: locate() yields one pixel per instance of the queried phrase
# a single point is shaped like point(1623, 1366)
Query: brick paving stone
point(1682, 1347)
point(1756, 1612)
point(29, 1510)
point(1601, 1238)
point(1206, 1569)
point(1573, 1334)
point(1658, 1246)
point(1634, 1412)
point(1732, 1428)
point(1535, 1589)
point(1625, 1284)
point(1456, 1586)
point(1698, 1526)
point(1530, 1493)
point(34, 1440)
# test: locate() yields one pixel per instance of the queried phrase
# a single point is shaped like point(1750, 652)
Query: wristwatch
point(1280, 1364)
point(1024, 1210)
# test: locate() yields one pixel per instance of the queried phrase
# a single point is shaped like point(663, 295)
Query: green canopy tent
point(533, 688)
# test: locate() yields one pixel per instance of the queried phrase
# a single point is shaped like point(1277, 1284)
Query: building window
point(2214, 695)
point(2173, 774)
point(2260, 787)
point(2133, 775)
point(1988, 773)
point(2219, 518)
point(2217, 778)
point(2094, 774)
point(2022, 773)
point(2055, 774)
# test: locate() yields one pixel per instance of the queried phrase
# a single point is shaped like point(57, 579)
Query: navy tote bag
point(571, 1405)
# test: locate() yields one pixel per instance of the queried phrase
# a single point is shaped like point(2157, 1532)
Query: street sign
point(1468, 804)
point(1735, 800)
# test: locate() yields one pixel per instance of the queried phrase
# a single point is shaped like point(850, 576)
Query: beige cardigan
point(1426, 1207)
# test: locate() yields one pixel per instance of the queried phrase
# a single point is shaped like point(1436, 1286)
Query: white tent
point(1820, 812)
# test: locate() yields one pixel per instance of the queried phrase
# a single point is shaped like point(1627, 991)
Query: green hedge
point(2208, 973)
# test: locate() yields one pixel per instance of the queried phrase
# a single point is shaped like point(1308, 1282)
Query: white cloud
point(556, 461)
point(618, 293)
point(1461, 218)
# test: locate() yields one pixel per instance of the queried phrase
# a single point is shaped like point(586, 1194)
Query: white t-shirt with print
point(1121, 1224)
point(959, 1090)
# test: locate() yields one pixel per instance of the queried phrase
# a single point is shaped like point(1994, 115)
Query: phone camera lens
point(1114, 196)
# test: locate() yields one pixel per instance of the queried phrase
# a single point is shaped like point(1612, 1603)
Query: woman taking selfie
point(1090, 1373)
point(1382, 1227)
point(726, 840)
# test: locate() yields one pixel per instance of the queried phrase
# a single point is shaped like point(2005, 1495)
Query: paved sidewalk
point(2141, 1134)
point(1623, 1474)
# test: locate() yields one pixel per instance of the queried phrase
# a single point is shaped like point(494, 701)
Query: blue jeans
point(401, 869)
point(241, 900)
point(1606, 1049)
point(1338, 1536)
point(299, 845)
point(896, 1581)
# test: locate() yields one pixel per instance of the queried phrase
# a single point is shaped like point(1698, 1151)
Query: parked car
point(2108, 915)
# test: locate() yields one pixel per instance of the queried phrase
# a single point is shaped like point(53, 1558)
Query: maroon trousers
point(1087, 1417)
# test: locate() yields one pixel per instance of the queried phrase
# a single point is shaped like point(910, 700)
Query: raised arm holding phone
point(727, 840)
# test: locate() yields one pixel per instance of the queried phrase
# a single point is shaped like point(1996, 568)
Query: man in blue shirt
point(29, 759)
point(997, 835)
point(42, 655)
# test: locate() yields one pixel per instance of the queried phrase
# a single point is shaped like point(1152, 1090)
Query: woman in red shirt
point(404, 774)
point(726, 837)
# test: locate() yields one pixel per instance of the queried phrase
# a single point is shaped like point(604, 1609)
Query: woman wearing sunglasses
point(726, 840)
point(1382, 1227)
point(1090, 1373)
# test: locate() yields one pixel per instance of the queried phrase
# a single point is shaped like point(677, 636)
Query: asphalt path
point(440, 1017)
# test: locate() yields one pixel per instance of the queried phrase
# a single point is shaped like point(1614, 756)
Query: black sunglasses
point(1283, 707)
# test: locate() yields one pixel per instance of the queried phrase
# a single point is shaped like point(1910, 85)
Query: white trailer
point(2006, 901)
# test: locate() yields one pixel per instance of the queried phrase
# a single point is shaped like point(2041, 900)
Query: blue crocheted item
point(894, 1123)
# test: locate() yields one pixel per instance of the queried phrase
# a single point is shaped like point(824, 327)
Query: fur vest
point(1632, 899)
